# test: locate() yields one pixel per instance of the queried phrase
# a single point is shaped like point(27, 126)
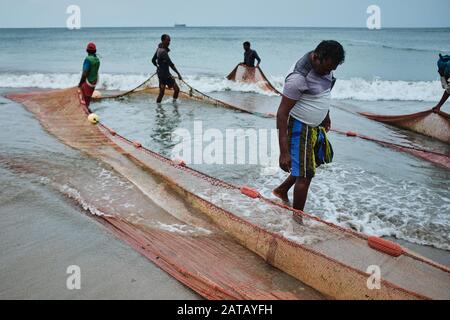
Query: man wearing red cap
point(89, 77)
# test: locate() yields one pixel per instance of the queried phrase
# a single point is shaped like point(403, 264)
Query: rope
point(390, 143)
point(121, 95)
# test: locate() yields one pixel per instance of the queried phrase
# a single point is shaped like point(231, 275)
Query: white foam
point(208, 84)
point(183, 229)
point(75, 195)
point(382, 90)
point(345, 89)
point(66, 80)
point(356, 88)
point(268, 217)
point(401, 209)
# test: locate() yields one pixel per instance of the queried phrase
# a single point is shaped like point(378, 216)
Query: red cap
point(91, 47)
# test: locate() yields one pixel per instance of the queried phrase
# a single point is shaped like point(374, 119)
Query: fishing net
point(252, 75)
point(331, 259)
point(151, 86)
point(212, 263)
point(435, 125)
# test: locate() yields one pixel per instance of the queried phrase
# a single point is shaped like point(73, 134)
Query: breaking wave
point(401, 209)
point(350, 89)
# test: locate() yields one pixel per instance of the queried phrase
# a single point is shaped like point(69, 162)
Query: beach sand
point(42, 235)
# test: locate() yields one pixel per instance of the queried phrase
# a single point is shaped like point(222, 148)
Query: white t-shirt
point(311, 91)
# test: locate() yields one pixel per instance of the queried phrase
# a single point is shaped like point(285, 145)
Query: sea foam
point(345, 89)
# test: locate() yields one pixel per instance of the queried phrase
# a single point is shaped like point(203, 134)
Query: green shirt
point(91, 66)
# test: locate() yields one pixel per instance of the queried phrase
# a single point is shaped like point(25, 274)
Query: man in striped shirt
point(304, 108)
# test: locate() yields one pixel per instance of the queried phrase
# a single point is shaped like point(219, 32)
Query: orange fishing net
point(213, 264)
point(331, 259)
point(435, 125)
point(253, 75)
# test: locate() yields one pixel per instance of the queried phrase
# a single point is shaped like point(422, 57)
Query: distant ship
point(180, 25)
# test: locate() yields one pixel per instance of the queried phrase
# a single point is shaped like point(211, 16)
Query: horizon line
point(188, 26)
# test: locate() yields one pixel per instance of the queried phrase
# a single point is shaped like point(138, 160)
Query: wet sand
point(39, 242)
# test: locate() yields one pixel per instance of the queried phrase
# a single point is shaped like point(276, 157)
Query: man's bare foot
point(281, 195)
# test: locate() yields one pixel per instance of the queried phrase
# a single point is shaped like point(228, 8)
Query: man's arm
point(326, 123)
point(166, 57)
point(154, 60)
point(257, 58)
point(172, 65)
point(86, 68)
point(175, 69)
point(285, 108)
point(441, 103)
point(83, 79)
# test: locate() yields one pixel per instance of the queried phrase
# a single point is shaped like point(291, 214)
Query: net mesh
point(252, 75)
point(332, 265)
point(435, 125)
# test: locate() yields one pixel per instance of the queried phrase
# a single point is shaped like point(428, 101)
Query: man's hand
point(327, 126)
point(444, 99)
point(327, 123)
point(180, 77)
point(285, 108)
point(83, 79)
point(285, 162)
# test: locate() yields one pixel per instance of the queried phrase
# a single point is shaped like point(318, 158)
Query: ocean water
point(390, 64)
point(368, 188)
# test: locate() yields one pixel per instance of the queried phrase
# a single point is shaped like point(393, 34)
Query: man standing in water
point(162, 62)
point(444, 72)
point(304, 107)
point(89, 77)
point(250, 56)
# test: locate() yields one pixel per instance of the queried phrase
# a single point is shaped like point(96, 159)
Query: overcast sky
point(143, 13)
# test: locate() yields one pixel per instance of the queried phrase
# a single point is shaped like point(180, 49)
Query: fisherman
point(162, 62)
point(303, 119)
point(250, 56)
point(89, 77)
point(444, 72)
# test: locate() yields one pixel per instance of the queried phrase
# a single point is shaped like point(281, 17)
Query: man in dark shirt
point(250, 56)
point(162, 62)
